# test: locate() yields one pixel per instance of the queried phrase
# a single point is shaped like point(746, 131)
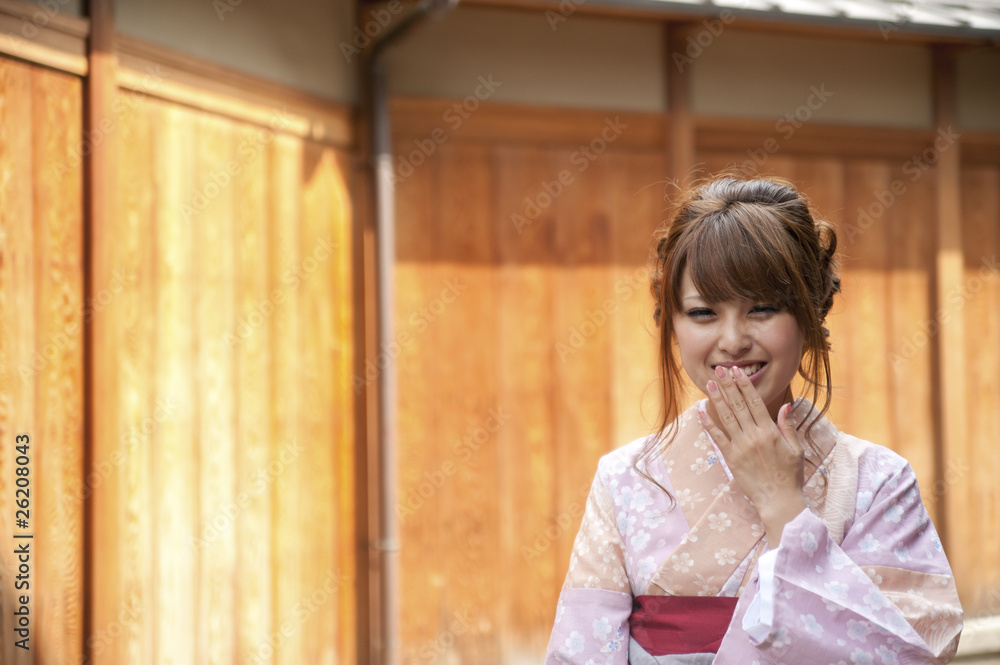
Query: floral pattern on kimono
point(858, 577)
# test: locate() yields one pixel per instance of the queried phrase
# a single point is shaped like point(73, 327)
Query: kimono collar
point(725, 526)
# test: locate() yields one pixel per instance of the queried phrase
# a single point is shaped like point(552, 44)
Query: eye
point(765, 310)
point(700, 313)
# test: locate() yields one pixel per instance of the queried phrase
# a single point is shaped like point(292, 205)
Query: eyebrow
point(696, 296)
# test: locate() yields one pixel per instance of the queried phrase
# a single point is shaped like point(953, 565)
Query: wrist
point(777, 513)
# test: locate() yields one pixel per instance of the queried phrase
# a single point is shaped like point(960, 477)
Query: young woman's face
point(761, 338)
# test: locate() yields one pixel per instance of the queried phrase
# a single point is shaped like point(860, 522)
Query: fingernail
point(713, 387)
point(720, 372)
point(737, 373)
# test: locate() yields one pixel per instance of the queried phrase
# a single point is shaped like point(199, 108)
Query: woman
point(749, 529)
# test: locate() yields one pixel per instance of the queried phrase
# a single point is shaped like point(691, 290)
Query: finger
point(755, 403)
point(734, 398)
point(726, 416)
point(721, 440)
point(787, 428)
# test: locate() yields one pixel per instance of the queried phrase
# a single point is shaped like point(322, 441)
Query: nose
point(734, 336)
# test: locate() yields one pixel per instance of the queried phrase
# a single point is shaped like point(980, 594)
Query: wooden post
point(102, 585)
point(949, 351)
point(680, 122)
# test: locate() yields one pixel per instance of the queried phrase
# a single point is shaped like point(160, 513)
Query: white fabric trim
point(758, 621)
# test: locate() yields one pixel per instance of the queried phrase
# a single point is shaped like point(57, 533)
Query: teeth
point(748, 370)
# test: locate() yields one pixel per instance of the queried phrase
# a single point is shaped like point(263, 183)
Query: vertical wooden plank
point(104, 515)
point(464, 303)
point(251, 343)
point(640, 207)
point(318, 443)
point(287, 531)
point(959, 528)
point(581, 338)
point(709, 164)
point(526, 465)
point(974, 477)
point(175, 457)
point(416, 279)
point(133, 273)
point(912, 326)
point(58, 455)
point(343, 347)
point(19, 327)
point(214, 298)
point(680, 118)
point(822, 180)
point(867, 403)
point(781, 166)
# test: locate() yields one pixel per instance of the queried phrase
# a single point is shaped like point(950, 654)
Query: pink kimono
point(859, 577)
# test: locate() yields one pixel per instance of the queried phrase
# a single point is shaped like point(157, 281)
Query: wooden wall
point(489, 511)
point(224, 407)
point(511, 367)
point(214, 502)
point(974, 495)
point(42, 313)
point(209, 514)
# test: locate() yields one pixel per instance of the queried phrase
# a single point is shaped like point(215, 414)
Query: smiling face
point(761, 335)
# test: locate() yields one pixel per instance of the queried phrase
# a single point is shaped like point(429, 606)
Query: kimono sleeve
point(591, 625)
point(885, 594)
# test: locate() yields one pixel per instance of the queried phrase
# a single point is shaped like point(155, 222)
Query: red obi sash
point(664, 625)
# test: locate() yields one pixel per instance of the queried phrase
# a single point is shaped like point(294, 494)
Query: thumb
point(787, 428)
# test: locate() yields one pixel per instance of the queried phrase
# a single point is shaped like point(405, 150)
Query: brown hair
point(748, 239)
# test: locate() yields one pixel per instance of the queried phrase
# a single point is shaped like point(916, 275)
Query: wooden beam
point(949, 350)
point(423, 118)
point(102, 584)
point(680, 118)
point(40, 35)
point(166, 73)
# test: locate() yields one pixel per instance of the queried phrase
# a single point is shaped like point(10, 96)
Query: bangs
point(740, 254)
